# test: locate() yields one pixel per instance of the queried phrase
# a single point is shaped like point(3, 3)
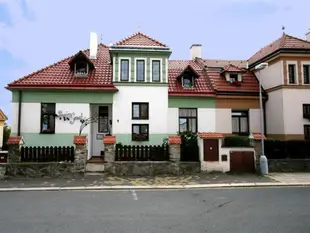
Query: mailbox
point(3, 156)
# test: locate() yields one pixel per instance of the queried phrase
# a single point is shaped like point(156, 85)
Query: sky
point(37, 33)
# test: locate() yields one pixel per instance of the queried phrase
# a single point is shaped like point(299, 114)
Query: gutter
point(19, 112)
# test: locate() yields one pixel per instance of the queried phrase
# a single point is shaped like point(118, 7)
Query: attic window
point(233, 78)
point(188, 80)
point(81, 69)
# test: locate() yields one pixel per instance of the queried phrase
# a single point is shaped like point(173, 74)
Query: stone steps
point(94, 167)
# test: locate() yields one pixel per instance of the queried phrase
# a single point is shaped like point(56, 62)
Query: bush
point(236, 141)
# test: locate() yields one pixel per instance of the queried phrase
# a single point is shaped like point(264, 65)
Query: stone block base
point(289, 165)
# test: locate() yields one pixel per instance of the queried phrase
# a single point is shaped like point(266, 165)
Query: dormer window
point(81, 65)
point(187, 81)
point(81, 69)
point(233, 78)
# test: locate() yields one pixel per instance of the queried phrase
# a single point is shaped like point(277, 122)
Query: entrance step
point(95, 174)
point(94, 167)
point(96, 159)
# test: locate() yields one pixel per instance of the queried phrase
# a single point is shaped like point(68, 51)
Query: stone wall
point(37, 170)
point(153, 168)
point(289, 165)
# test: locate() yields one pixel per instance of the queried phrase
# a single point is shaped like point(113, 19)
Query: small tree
point(6, 135)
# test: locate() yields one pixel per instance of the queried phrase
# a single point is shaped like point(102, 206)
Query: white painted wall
point(220, 166)
point(156, 96)
point(224, 122)
point(206, 120)
point(271, 76)
point(31, 118)
point(274, 113)
point(292, 110)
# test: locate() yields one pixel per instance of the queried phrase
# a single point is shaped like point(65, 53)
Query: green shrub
point(236, 141)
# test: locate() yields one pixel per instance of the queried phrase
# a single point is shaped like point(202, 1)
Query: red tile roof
point(202, 87)
point(258, 136)
point(140, 39)
point(210, 135)
point(174, 140)
point(284, 42)
point(59, 75)
point(79, 140)
point(15, 140)
point(222, 63)
point(232, 68)
point(249, 82)
point(109, 140)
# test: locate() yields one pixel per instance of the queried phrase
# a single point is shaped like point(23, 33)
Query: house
point(287, 82)
point(3, 118)
point(132, 90)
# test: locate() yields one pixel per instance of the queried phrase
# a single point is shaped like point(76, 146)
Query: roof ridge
point(140, 33)
point(297, 38)
point(274, 41)
point(51, 65)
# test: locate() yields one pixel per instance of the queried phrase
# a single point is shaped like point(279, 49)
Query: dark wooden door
point(211, 149)
point(242, 161)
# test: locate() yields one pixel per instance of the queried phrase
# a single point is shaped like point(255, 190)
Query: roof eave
point(194, 94)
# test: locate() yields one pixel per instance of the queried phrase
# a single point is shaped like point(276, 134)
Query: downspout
point(264, 111)
point(19, 112)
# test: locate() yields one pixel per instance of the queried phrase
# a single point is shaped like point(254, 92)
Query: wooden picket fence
point(142, 153)
point(47, 154)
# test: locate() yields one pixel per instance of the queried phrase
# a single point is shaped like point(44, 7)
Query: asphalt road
point(251, 210)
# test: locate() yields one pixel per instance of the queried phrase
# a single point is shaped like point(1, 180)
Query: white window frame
point(161, 69)
point(135, 70)
point(296, 72)
point(302, 71)
point(119, 68)
point(81, 76)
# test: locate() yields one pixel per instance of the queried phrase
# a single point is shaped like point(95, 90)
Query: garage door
point(242, 161)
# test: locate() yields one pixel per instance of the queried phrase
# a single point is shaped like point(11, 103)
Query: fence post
point(109, 152)
point(80, 155)
point(175, 152)
point(14, 144)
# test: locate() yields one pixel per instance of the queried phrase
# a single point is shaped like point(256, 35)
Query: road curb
point(130, 187)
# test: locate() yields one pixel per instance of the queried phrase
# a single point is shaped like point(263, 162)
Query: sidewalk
point(203, 180)
point(105, 180)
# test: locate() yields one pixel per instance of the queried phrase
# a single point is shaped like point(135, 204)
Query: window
point(140, 72)
point(306, 110)
point(103, 119)
point(306, 74)
point(81, 69)
point(187, 120)
point(47, 118)
point(140, 111)
point(140, 132)
point(156, 71)
point(307, 132)
point(240, 122)
point(124, 70)
point(233, 77)
point(291, 74)
point(187, 81)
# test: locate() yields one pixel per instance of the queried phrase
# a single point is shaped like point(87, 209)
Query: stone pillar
point(14, 144)
point(109, 148)
point(109, 153)
point(175, 148)
point(258, 149)
point(80, 155)
point(175, 153)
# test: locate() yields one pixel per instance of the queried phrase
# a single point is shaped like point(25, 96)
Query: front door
point(99, 128)
point(211, 149)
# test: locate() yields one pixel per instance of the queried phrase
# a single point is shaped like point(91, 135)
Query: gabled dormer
point(233, 74)
point(187, 77)
point(81, 65)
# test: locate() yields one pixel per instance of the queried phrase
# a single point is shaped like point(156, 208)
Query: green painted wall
point(136, 55)
point(64, 96)
point(191, 102)
point(154, 139)
point(59, 139)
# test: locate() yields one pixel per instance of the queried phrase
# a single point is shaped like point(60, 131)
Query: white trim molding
point(135, 68)
point(161, 69)
point(296, 72)
point(114, 76)
point(119, 68)
point(167, 64)
point(302, 71)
